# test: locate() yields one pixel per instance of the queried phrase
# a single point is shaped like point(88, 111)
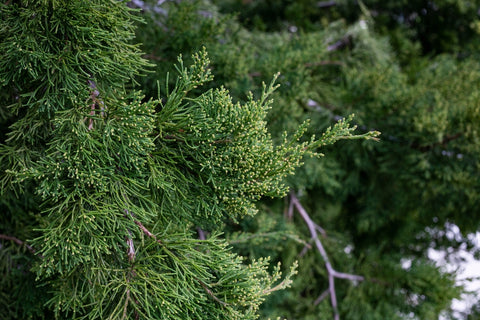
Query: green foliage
point(432, 26)
point(101, 185)
point(50, 49)
point(378, 202)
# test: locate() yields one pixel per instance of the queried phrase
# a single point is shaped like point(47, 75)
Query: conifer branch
point(127, 299)
point(210, 293)
point(332, 273)
point(205, 287)
point(146, 231)
point(279, 286)
point(17, 241)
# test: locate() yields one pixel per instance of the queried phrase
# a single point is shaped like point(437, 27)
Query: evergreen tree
point(381, 205)
point(102, 187)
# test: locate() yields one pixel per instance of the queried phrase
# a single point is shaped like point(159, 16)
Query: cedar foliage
point(102, 186)
point(383, 205)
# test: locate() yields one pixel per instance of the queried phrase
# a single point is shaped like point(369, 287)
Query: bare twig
point(146, 231)
point(332, 273)
point(326, 4)
point(304, 251)
point(321, 297)
point(320, 229)
point(17, 241)
point(142, 227)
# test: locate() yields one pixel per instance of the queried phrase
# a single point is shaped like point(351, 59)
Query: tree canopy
point(172, 159)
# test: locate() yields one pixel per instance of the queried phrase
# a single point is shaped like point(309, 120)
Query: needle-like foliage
point(102, 187)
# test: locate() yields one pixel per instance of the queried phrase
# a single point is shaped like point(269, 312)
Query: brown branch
point(18, 241)
point(448, 138)
point(131, 274)
point(210, 293)
point(92, 113)
point(332, 273)
point(146, 231)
